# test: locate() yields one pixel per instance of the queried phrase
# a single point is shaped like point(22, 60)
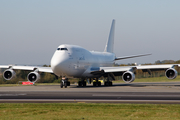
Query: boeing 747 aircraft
point(77, 62)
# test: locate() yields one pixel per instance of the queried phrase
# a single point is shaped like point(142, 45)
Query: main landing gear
point(97, 83)
point(64, 82)
point(108, 82)
point(82, 83)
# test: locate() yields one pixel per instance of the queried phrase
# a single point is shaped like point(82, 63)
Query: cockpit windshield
point(62, 49)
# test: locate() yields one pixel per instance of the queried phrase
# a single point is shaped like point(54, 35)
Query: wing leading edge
point(9, 73)
point(40, 69)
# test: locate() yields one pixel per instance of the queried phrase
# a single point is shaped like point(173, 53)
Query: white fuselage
point(75, 61)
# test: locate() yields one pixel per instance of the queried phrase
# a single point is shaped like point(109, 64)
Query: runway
point(167, 92)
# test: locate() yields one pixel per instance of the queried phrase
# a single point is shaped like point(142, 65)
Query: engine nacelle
point(9, 74)
point(33, 77)
point(128, 76)
point(171, 73)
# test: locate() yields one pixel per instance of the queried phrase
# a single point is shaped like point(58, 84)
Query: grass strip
point(88, 111)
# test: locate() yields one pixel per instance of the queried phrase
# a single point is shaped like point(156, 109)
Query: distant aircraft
point(77, 62)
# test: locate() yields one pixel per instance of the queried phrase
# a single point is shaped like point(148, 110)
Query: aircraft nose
point(54, 65)
point(58, 64)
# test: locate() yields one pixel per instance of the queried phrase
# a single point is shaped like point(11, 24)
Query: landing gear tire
point(65, 83)
point(99, 83)
point(82, 83)
point(61, 85)
point(68, 83)
point(110, 83)
point(96, 83)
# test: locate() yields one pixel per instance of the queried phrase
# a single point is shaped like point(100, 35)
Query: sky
point(31, 31)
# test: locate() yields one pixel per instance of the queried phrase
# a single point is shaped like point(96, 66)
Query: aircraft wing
point(33, 76)
point(127, 72)
point(141, 67)
point(40, 69)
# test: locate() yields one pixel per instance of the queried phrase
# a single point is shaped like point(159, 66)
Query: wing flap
point(115, 69)
point(45, 69)
point(157, 67)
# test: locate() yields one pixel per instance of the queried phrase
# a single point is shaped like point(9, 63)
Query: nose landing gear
point(64, 82)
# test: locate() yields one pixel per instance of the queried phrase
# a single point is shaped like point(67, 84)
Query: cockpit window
point(62, 49)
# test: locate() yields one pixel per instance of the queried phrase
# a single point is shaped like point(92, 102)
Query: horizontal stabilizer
point(133, 56)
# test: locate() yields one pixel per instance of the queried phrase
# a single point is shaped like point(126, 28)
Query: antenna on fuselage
point(110, 43)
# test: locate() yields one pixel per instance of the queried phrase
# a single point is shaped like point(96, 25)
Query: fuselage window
point(62, 49)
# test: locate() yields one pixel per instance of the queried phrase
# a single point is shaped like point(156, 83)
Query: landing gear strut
point(89, 80)
point(64, 82)
point(108, 82)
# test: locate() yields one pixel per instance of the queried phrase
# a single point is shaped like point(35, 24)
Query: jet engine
point(9, 74)
point(33, 76)
point(128, 77)
point(171, 73)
